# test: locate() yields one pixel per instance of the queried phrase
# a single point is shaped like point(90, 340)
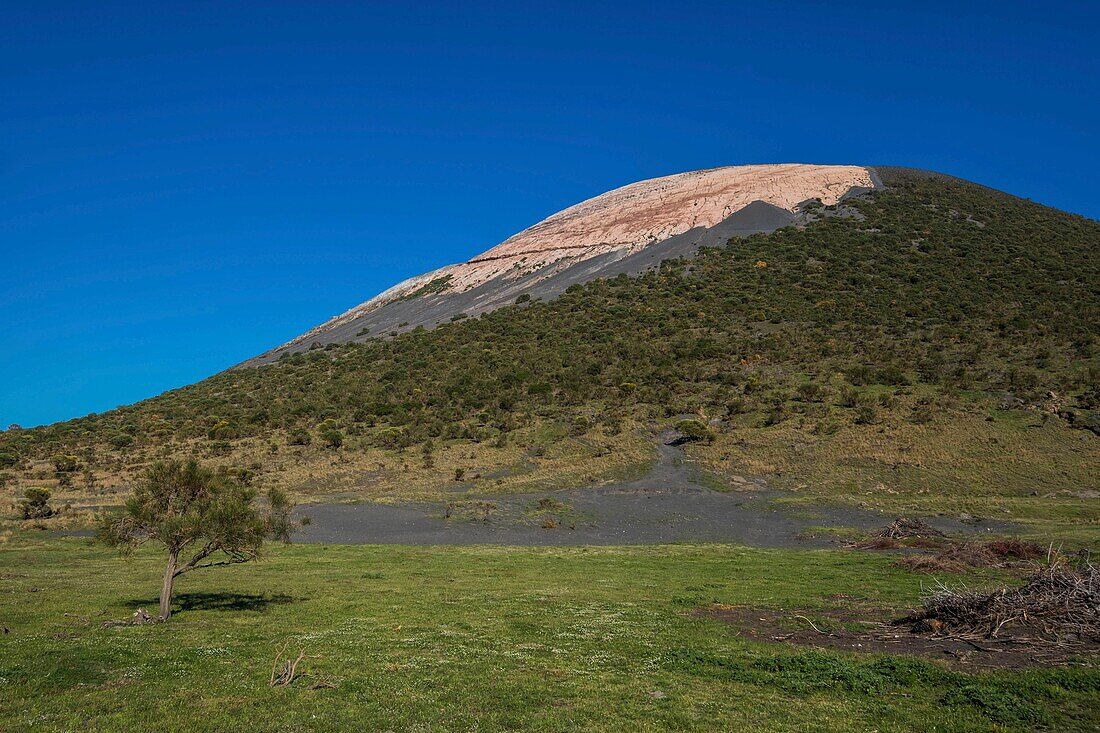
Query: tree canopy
point(203, 518)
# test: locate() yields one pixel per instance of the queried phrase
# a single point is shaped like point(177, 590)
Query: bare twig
point(811, 623)
point(283, 677)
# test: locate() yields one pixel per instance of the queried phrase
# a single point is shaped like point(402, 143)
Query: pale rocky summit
point(627, 230)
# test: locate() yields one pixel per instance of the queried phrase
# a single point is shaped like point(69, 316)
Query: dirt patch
point(874, 632)
point(673, 502)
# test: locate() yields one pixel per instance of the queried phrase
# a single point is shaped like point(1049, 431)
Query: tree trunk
point(166, 586)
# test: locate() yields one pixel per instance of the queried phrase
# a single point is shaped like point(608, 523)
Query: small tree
point(190, 509)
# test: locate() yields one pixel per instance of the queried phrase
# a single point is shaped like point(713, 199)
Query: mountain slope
point(625, 230)
point(938, 342)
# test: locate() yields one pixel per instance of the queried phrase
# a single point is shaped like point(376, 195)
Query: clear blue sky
point(184, 185)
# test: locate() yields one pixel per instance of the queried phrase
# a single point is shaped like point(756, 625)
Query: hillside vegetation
point(937, 319)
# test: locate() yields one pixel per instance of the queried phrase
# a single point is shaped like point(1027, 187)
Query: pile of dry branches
point(903, 529)
point(1059, 602)
point(957, 557)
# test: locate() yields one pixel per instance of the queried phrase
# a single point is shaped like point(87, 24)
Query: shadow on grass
point(221, 601)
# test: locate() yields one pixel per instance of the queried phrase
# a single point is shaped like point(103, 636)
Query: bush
point(121, 440)
point(775, 415)
point(811, 392)
point(7, 460)
point(860, 375)
point(36, 504)
point(866, 415)
point(693, 431)
point(332, 437)
point(848, 397)
point(66, 464)
point(392, 437)
point(893, 376)
point(299, 436)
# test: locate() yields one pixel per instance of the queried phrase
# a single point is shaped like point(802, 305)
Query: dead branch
point(283, 674)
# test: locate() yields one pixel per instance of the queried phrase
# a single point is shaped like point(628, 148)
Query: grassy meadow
point(484, 638)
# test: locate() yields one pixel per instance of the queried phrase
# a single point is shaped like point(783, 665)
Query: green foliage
point(812, 392)
point(332, 437)
point(438, 285)
point(694, 431)
point(299, 436)
point(66, 463)
point(36, 504)
point(121, 440)
point(178, 504)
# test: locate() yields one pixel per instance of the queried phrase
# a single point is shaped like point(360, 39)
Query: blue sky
point(184, 185)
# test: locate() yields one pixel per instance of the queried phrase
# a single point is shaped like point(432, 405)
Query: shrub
point(866, 415)
point(775, 415)
point(299, 436)
point(392, 437)
point(737, 406)
point(891, 375)
point(848, 397)
point(811, 392)
point(36, 504)
point(66, 463)
point(121, 440)
point(693, 431)
point(860, 375)
point(332, 437)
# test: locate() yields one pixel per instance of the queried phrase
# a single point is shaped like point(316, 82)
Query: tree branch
point(199, 556)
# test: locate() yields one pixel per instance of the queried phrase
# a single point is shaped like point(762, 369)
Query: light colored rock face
point(630, 218)
point(649, 211)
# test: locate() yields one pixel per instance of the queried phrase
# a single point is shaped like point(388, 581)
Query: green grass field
point(482, 638)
